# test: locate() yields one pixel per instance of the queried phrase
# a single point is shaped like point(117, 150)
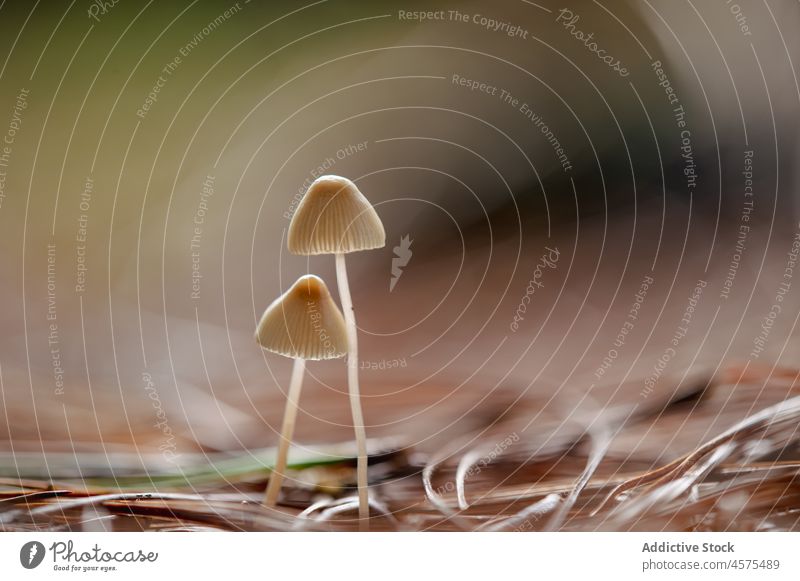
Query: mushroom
point(303, 323)
point(334, 217)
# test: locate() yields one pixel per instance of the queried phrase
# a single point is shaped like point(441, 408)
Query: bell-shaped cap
point(334, 217)
point(304, 322)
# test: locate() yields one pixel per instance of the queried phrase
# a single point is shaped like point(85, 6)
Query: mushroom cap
point(334, 217)
point(304, 322)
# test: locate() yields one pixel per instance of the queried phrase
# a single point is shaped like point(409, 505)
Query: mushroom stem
point(289, 416)
point(352, 382)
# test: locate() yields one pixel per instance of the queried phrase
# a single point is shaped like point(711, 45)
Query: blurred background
point(589, 204)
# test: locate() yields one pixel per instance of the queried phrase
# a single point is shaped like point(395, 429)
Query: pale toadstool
point(303, 323)
point(334, 217)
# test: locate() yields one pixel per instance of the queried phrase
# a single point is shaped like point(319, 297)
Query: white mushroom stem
point(289, 416)
point(352, 382)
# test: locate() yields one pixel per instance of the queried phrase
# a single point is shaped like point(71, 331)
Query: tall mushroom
point(335, 218)
point(303, 323)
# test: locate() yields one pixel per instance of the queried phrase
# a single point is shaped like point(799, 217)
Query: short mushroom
point(334, 217)
point(303, 323)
